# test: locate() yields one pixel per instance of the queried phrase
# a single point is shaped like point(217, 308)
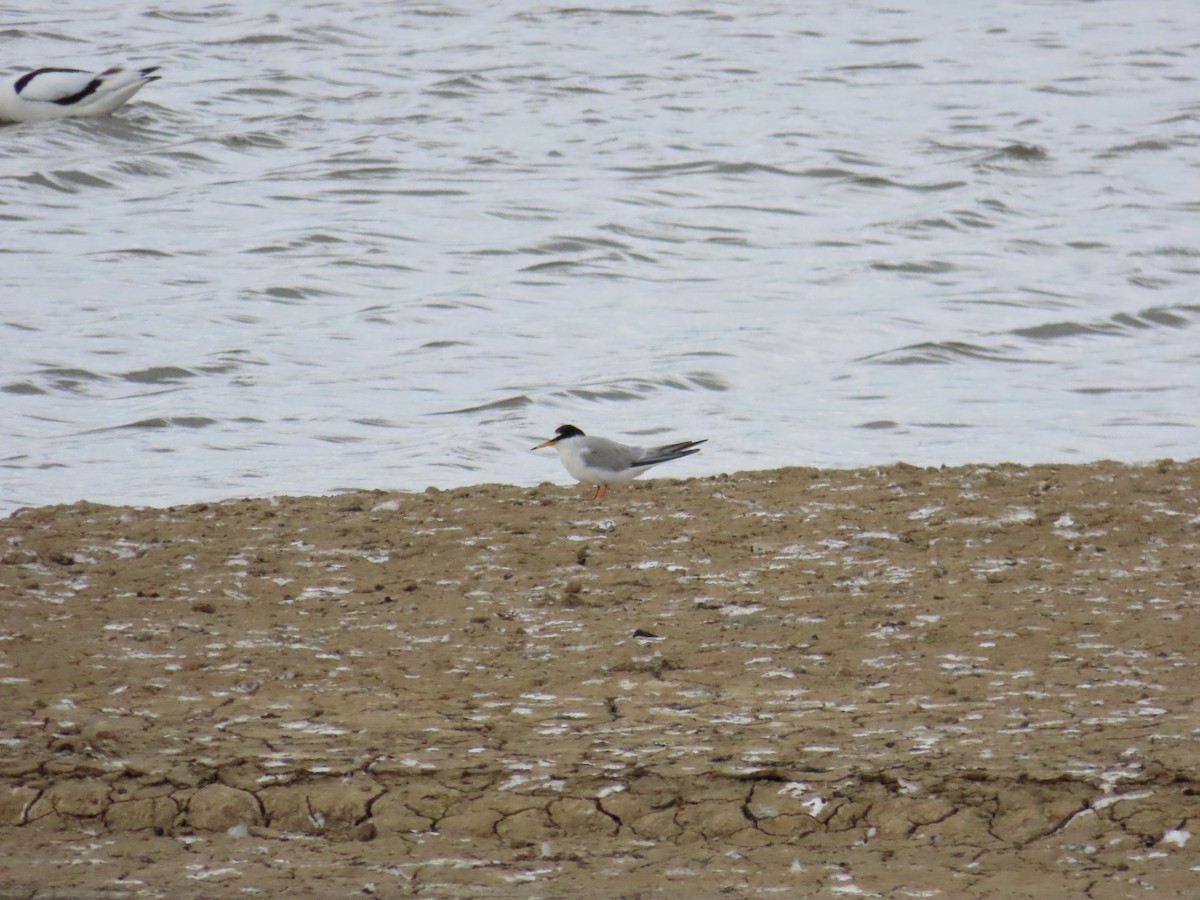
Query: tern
point(599, 461)
point(50, 93)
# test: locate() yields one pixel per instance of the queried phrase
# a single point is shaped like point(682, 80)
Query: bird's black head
point(566, 431)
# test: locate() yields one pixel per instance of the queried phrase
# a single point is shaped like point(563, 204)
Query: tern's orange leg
point(601, 492)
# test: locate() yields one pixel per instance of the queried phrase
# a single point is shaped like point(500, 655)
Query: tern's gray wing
point(667, 452)
point(608, 456)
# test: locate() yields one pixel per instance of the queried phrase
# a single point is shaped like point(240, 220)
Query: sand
point(896, 682)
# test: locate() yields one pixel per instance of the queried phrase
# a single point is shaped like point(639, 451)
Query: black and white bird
point(599, 461)
point(51, 93)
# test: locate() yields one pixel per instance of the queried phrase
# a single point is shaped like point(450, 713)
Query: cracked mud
point(889, 682)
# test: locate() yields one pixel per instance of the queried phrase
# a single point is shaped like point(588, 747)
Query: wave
point(1119, 324)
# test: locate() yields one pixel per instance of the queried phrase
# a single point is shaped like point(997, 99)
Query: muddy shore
point(893, 682)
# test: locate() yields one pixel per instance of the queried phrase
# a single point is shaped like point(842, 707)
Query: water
point(392, 245)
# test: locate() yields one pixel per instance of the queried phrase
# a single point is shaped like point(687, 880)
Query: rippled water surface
point(391, 245)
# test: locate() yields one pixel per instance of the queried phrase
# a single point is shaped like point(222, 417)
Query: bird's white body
point(603, 463)
point(51, 93)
